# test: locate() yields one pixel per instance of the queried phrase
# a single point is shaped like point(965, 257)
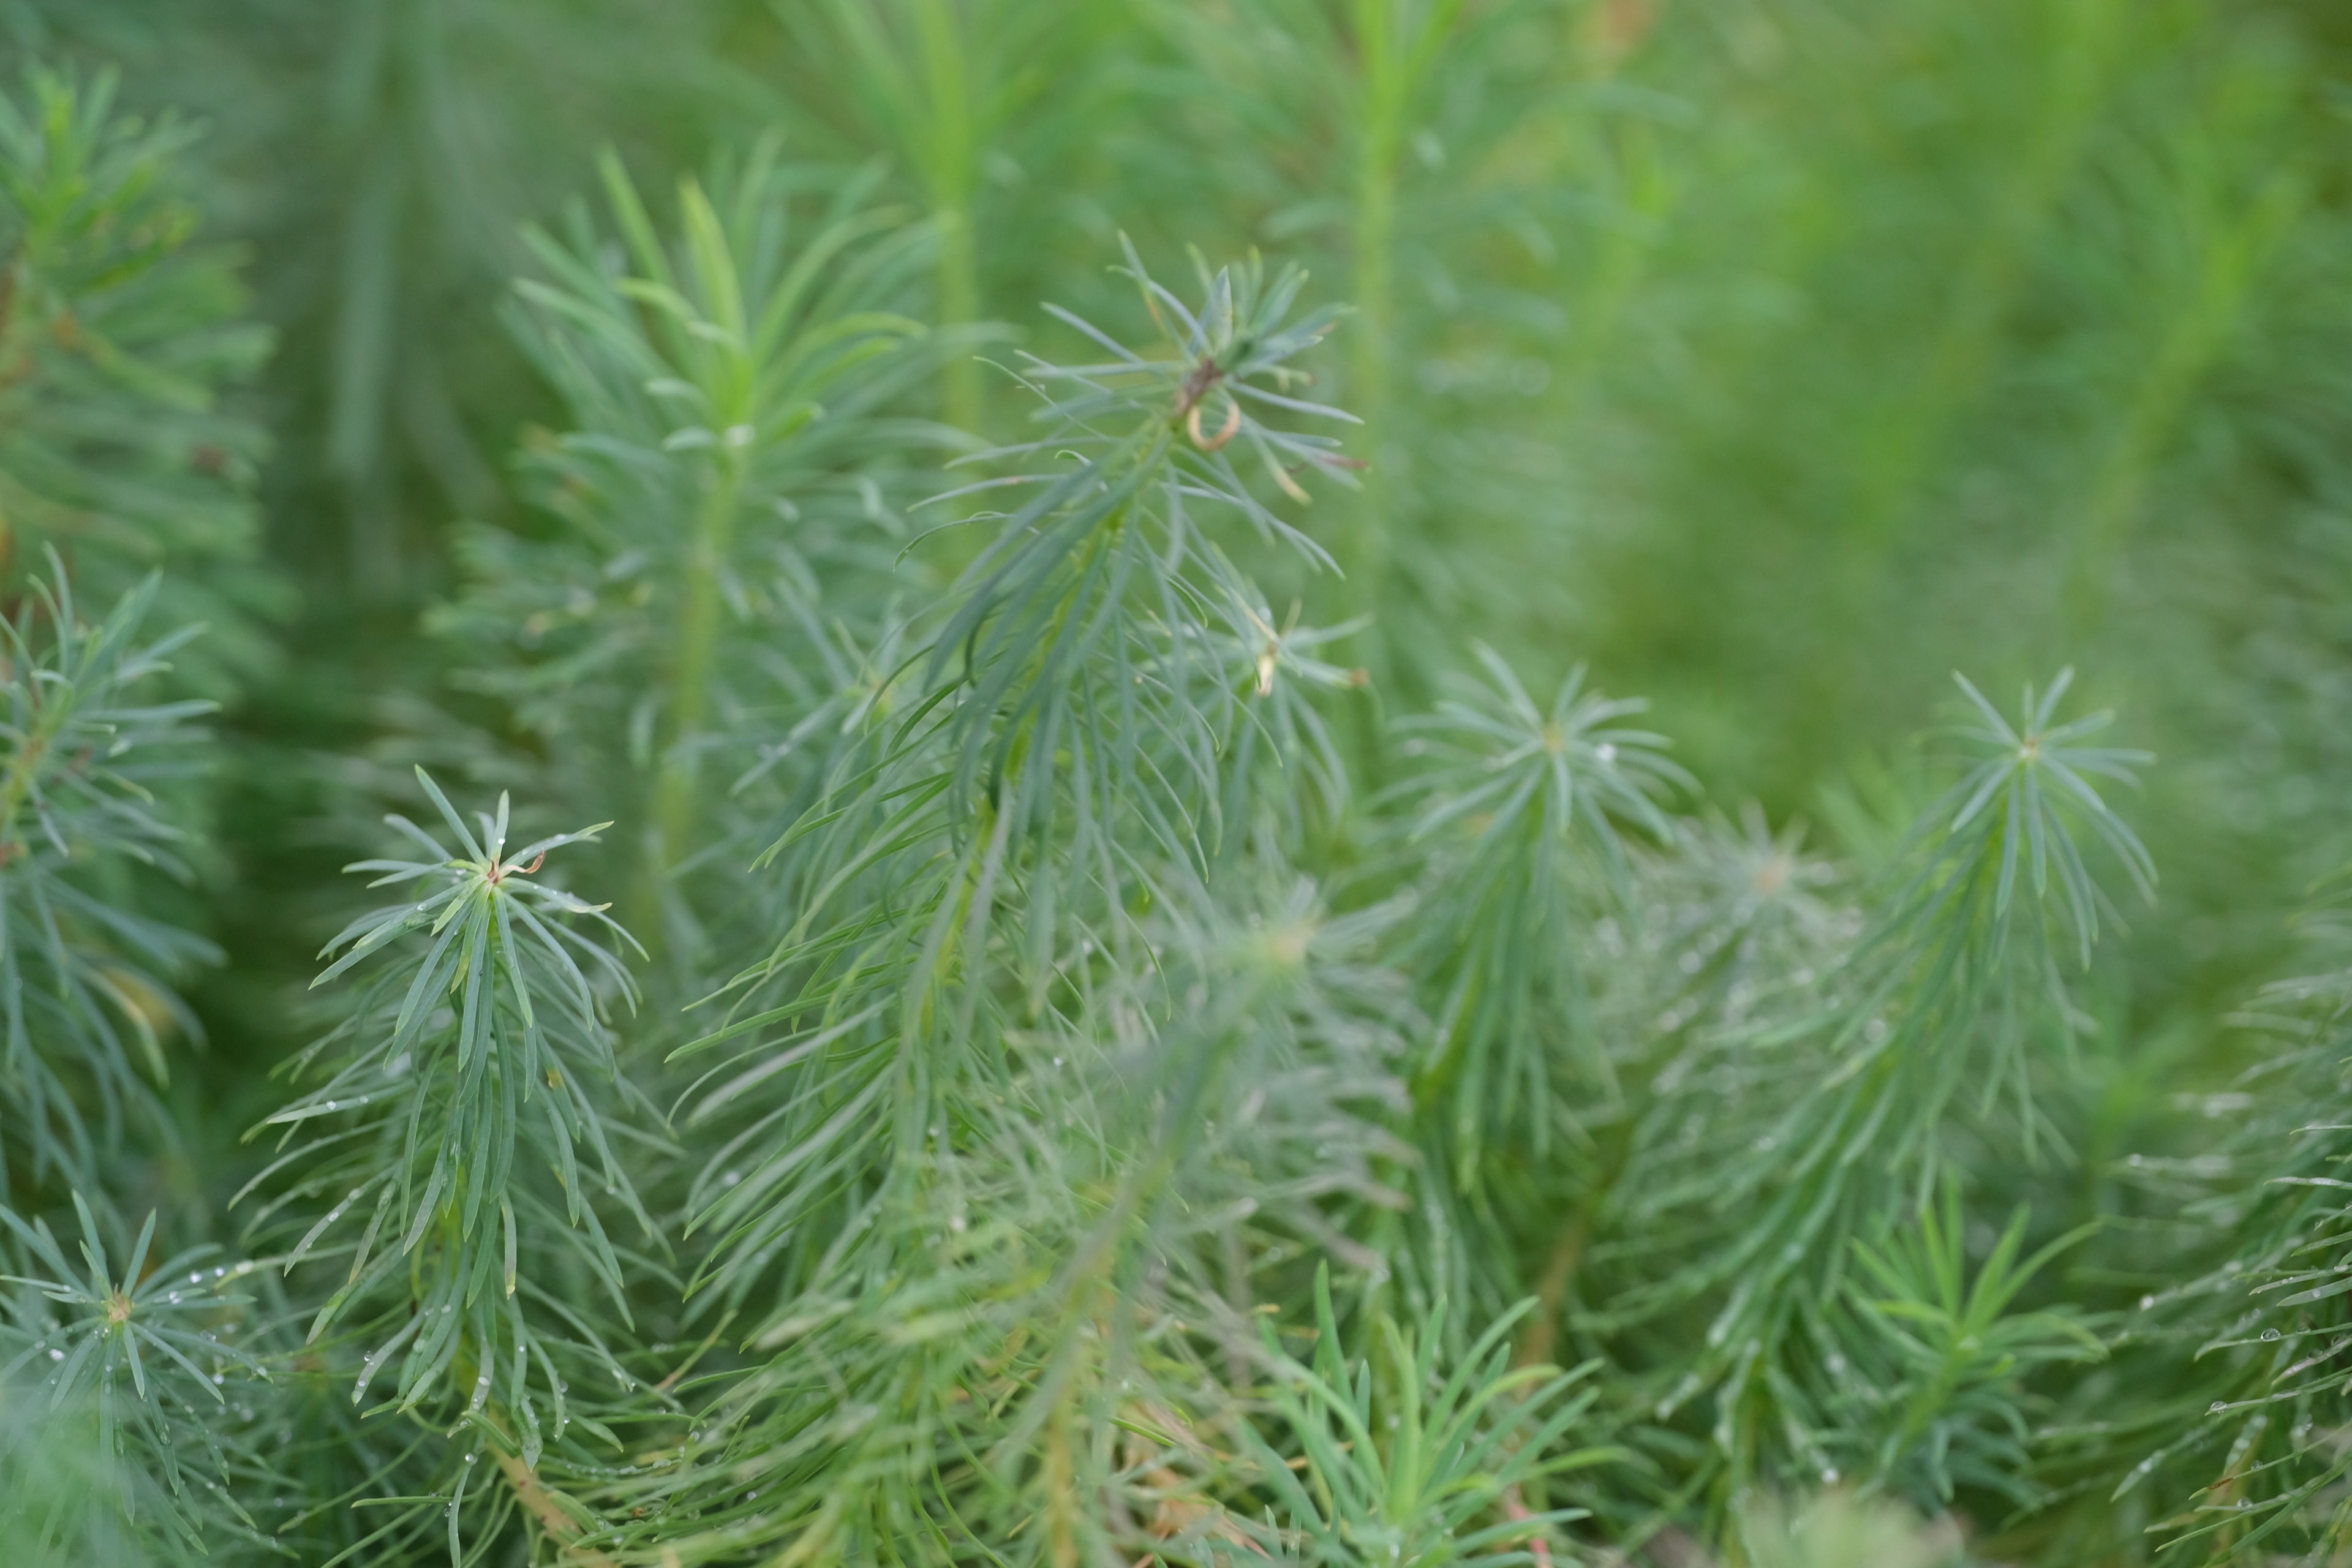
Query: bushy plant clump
point(975, 944)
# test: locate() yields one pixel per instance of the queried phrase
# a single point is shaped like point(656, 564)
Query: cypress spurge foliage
point(1409, 177)
point(460, 1129)
point(1024, 978)
point(955, 95)
point(1939, 1020)
point(86, 992)
point(119, 333)
point(1520, 816)
point(731, 435)
point(1935, 1391)
point(122, 1373)
point(2264, 1326)
point(1405, 1456)
point(1056, 1056)
point(1049, 764)
point(1079, 1109)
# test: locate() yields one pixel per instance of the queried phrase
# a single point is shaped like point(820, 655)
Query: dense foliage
point(986, 932)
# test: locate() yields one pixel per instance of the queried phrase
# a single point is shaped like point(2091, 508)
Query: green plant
point(88, 1004)
point(1173, 999)
point(163, 1462)
point(1405, 1464)
point(732, 439)
point(119, 335)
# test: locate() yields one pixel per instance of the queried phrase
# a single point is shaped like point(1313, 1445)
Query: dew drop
point(2270, 1333)
point(2217, 1406)
point(2145, 1302)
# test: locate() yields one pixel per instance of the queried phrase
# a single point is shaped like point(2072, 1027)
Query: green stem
point(1380, 133)
point(11, 285)
point(23, 765)
point(551, 1511)
point(950, 164)
point(957, 277)
point(2197, 330)
point(1913, 426)
point(694, 653)
point(1627, 162)
point(1634, 166)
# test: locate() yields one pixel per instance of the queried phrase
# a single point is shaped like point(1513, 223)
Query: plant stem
point(16, 784)
point(1627, 163)
point(553, 1522)
point(2196, 332)
point(11, 285)
point(950, 164)
point(1912, 427)
point(1380, 133)
point(958, 281)
point(694, 652)
point(1541, 1338)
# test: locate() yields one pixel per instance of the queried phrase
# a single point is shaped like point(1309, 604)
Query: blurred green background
point(1776, 357)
